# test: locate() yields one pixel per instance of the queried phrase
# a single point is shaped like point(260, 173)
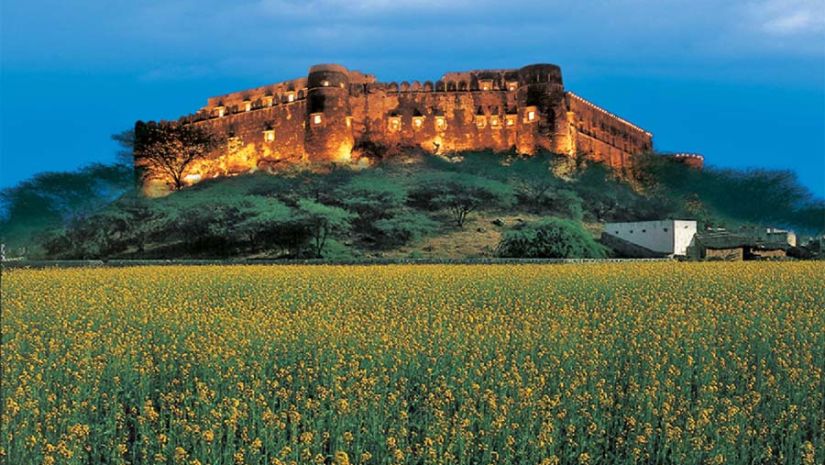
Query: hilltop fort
point(336, 115)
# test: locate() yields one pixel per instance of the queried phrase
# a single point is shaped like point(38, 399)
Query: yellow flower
point(341, 458)
point(180, 454)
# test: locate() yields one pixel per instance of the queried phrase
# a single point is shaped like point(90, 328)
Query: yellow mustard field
point(671, 363)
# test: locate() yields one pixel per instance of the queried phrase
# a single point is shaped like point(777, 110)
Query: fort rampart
point(335, 115)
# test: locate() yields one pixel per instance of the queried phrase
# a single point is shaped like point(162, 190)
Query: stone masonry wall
point(327, 116)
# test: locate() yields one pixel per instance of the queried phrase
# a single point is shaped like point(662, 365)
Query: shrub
point(550, 238)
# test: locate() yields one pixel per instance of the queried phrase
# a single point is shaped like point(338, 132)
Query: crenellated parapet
point(603, 135)
point(694, 160)
point(332, 113)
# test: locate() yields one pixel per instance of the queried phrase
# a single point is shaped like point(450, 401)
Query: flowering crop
point(701, 363)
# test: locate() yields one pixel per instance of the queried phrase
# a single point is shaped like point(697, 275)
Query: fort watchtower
point(328, 136)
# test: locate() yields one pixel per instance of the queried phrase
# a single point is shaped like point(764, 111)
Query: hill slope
point(412, 206)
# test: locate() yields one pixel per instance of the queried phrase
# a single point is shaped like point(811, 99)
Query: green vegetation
point(550, 238)
point(606, 363)
point(412, 205)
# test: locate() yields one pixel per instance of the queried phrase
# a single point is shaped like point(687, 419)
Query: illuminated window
point(290, 96)
point(530, 114)
point(394, 123)
point(512, 85)
point(510, 120)
point(440, 123)
point(481, 121)
point(495, 123)
point(316, 118)
point(325, 83)
point(220, 111)
point(247, 105)
point(269, 135)
point(418, 122)
point(349, 121)
point(233, 144)
point(268, 100)
point(485, 84)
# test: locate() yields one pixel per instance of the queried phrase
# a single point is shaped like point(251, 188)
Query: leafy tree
point(142, 220)
point(169, 149)
point(532, 177)
point(608, 198)
point(126, 146)
point(262, 216)
point(754, 196)
point(318, 186)
point(270, 223)
point(460, 194)
point(50, 200)
point(404, 226)
point(486, 164)
point(206, 224)
point(550, 238)
point(321, 221)
point(372, 197)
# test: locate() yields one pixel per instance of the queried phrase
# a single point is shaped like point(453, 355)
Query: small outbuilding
point(648, 239)
point(723, 245)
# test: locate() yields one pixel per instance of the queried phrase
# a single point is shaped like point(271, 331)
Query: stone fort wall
point(329, 115)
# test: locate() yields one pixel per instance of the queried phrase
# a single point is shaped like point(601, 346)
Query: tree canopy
point(169, 148)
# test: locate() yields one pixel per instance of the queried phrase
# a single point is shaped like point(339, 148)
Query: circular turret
point(540, 74)
point(540, 100)
point(328, 136)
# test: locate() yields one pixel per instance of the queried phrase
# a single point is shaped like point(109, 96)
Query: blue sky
point(742, 82)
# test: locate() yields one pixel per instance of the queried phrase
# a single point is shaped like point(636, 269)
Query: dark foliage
point(728, 196)
point(94, 213)
point(550, 238)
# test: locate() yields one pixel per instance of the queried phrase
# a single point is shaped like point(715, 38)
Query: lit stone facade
point(331, 115)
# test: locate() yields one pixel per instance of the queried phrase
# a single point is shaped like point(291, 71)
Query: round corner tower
point(542, 116)
point(328, 136)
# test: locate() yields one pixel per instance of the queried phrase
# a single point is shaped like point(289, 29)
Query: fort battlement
point(330, 115)
point(694, 160)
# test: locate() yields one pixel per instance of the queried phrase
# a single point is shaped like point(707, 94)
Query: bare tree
point(169, 148)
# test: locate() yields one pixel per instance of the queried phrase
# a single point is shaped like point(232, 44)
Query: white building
point(669, 237)
point(781, 235)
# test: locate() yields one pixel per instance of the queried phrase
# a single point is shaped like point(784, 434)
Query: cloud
point(789, 17)
point(177, 39)
point(357, 8)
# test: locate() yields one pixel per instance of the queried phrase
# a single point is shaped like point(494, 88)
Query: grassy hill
point(418, 205)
